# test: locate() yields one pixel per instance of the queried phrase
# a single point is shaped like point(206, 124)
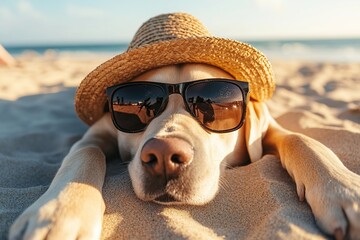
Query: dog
point(331, 190)
point(176, 159)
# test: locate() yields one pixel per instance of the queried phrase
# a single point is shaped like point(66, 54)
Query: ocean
point(332, 50)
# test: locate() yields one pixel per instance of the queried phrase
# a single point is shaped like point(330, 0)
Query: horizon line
point(125, 42)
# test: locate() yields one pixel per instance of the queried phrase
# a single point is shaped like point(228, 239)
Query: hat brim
point(239, 59)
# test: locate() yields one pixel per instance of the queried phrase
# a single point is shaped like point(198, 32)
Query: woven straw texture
point(172, 39)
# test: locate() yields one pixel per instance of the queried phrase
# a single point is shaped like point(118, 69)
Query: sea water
point(332, 50)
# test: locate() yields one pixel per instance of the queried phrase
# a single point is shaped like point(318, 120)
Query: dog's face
point(175, 160)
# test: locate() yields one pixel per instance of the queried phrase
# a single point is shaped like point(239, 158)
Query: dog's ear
point(256, 125)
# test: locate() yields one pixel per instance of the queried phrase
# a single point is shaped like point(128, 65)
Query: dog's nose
point(166, 156)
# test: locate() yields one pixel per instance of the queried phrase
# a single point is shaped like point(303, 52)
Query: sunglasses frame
point(180, 88)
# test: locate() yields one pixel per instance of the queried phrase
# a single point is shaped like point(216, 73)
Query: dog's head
point(176, 160)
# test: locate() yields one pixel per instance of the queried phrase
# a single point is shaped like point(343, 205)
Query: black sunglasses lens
point(134, 106)
point(218, 105)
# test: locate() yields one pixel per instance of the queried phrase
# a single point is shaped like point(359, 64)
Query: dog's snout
point(166, 157)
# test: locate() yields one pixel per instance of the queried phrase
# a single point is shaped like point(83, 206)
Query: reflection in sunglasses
point(216, 115)
point(204, 108)
point(155, 107)
point(138, 113)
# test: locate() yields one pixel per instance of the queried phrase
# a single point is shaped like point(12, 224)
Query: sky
point(115, 21)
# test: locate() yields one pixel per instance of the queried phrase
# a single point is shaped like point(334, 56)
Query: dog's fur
point(332, 191)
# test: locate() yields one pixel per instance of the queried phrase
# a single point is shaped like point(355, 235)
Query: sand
point(38, 126)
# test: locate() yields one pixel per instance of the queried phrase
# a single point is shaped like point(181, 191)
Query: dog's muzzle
point(165, 158)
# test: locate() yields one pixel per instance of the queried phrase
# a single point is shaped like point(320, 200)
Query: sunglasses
point(219, 105)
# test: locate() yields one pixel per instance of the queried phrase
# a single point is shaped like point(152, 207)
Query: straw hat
point(172, 39)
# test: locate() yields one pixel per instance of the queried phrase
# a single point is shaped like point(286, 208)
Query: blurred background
point(283, 29)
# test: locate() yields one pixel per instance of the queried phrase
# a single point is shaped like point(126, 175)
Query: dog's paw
point(60, 218)
point(336, 205)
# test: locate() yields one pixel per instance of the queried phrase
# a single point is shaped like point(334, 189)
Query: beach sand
point(38, 125)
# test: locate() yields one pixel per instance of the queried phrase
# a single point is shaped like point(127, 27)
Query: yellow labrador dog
point(175, 160)
point(181, 125)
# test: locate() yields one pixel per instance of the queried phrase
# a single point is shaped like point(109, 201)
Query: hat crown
point(167, 27)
